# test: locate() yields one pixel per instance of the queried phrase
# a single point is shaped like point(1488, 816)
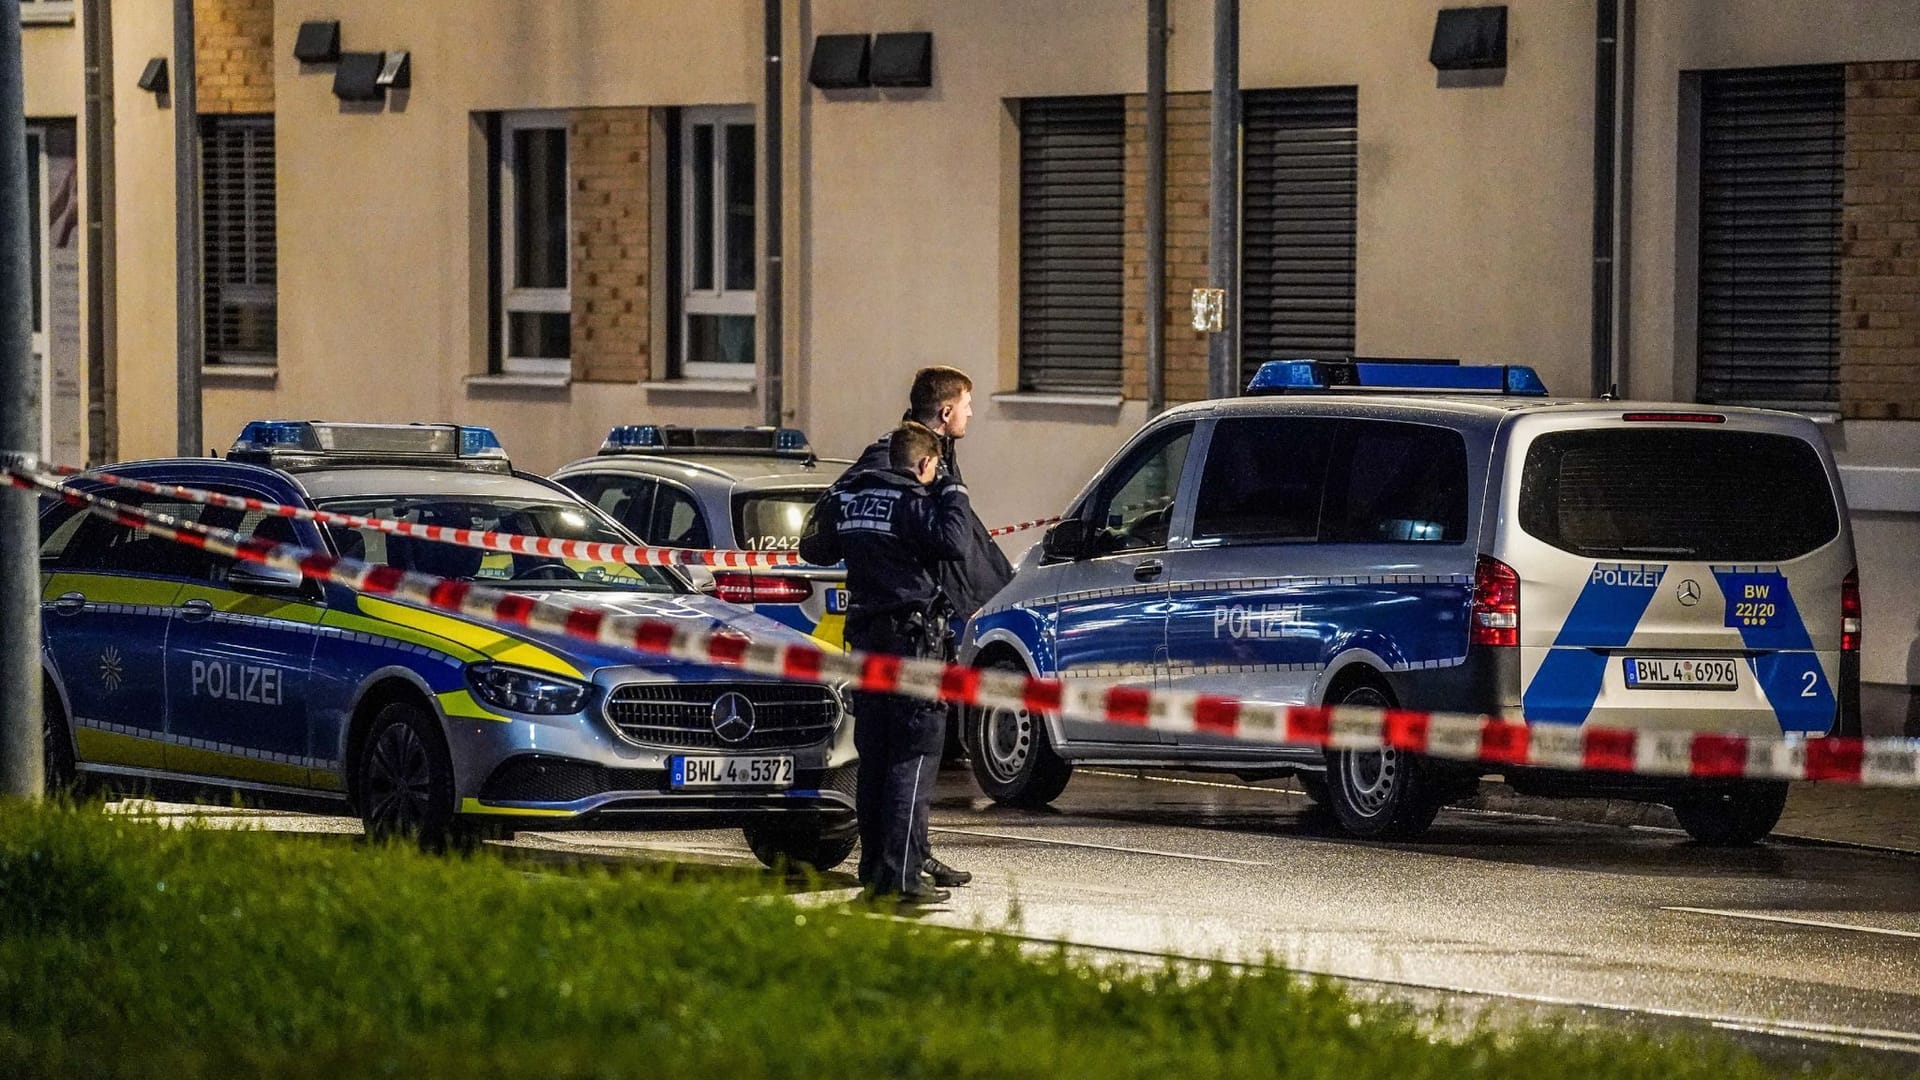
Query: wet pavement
point(1812, 942)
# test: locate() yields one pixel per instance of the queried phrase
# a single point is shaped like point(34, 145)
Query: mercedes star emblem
point(1689, 592)
point(732, 717)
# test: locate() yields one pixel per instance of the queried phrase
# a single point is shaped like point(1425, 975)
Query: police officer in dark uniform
point(894, 527)
point(942, 399)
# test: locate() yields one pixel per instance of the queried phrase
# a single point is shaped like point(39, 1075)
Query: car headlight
point(520, 690)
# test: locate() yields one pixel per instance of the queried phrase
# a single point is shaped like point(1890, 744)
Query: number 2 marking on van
point(1813, 680)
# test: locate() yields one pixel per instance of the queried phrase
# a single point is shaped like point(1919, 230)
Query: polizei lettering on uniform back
point(871, 510)
point(236, 682)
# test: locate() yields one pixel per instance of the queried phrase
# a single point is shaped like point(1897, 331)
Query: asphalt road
point(1817, 944)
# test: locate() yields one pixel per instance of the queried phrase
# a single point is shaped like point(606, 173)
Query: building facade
point(557, 221)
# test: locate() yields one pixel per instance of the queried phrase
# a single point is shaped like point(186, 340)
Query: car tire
point(57, 758)
point(787, 847)
point(1380, 794)
point(1735, 816)
point(1011, 754)
point(404, 779)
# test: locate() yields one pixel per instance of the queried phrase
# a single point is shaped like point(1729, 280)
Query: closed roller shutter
point(1299, 206)
point(237, 226)
point(1072, 221)
point(1771, 167)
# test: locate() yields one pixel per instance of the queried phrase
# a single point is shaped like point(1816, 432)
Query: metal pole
point(186, 231)
point(97, 25)
point(1156, 206)
point(770, 298)
point(1605, 100)
point(1223, 246)
point(21, 764)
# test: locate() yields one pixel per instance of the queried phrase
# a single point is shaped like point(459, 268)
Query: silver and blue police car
point(743, 488)
point(165, 665)
point(1436, 536)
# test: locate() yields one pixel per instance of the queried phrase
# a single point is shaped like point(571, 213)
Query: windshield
point(771, 521)
point(516, 516)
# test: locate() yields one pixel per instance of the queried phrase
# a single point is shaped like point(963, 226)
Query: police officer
point(941, 398)
point(894, 526)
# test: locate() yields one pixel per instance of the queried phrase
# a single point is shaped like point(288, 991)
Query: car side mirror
point(1068, 540)
point(701, 579)
point(258, 577)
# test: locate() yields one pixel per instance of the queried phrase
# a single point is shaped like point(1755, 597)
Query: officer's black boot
point(946, 876)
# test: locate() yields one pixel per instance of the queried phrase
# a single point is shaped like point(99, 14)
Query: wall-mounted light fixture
point(358, 77)
point(903, 60)
point(840, 62)
point(396, 71)
point(154, 79)
point(318, 42)
point(1470, 39)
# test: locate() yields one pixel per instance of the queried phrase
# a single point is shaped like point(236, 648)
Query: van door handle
point(72, 603)
point(196, 610)
point(1149, 570)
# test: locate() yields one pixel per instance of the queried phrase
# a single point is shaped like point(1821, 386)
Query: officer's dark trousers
point(899, 740)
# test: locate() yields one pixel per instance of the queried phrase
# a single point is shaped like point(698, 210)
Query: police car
point(1435, 536)
point(164, 663)
point(747, 489)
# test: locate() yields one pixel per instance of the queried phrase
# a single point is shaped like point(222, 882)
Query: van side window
point(1264, 479)
point(1133, 510)
point(1397, 483)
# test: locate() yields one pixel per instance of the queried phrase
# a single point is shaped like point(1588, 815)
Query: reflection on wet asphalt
point(1498, 904)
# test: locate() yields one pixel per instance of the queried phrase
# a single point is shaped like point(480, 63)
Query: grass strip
point(130, 950)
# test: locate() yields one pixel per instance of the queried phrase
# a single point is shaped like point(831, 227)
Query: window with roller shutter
point(237, 239)
point(1072, 242)
point(1299, 206)
point(1772, 145)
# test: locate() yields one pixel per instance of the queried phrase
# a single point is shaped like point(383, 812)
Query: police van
point(743, 488)
point(166, 665)
point(1437, 536)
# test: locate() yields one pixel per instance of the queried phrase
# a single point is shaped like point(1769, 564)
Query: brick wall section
point(1880, 255)
point(1187, 183)
point(233, 57)
point(609, 151)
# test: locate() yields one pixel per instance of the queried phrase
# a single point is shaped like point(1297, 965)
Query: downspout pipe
point(97, 25)
point(1156, 260)
point(189, 340)
point(771, 326)
point(1606, 101)
point(1223, 242)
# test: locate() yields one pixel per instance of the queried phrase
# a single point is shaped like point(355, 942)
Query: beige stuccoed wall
point(143, 212)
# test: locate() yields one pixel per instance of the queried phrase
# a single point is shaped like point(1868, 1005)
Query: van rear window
point(1718, 496)
point(772, 521)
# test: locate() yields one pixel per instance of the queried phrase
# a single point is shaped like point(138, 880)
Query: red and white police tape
point(509, 543)
point(1875, 762)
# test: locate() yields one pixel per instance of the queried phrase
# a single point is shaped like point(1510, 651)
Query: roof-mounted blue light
point(674, 439)
point(1411, 376)
point(308, 443)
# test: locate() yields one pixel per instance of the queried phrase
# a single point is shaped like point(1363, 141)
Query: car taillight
point(1496, 603)
point(1850, 612)
point(737, 588)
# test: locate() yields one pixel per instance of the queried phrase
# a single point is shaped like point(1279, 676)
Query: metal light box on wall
point(1470, 39)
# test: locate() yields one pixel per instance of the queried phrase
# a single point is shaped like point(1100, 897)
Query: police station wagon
point(1440, 537)
point(745, 488)
point(167, 665)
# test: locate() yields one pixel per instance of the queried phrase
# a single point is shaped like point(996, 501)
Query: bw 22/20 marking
point(1746, 610)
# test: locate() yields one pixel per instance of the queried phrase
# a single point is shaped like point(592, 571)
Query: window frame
point(718, 300)
point(1109, 486)
point(1212, 541)
point(1046, 352)
point(1340, 469)
point(515, 300)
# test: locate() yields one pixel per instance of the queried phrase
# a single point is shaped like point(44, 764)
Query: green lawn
point(128, 949)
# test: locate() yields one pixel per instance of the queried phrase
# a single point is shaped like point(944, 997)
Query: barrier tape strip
point(508, 543)
point(1461, 737)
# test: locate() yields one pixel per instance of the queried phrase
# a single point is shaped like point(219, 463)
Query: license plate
point(836, 601)
point(731, 772)
point(1682, 673)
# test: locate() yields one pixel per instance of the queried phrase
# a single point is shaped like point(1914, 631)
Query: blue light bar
point(314, 442)
point(673, 438)
point(1308, 376)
